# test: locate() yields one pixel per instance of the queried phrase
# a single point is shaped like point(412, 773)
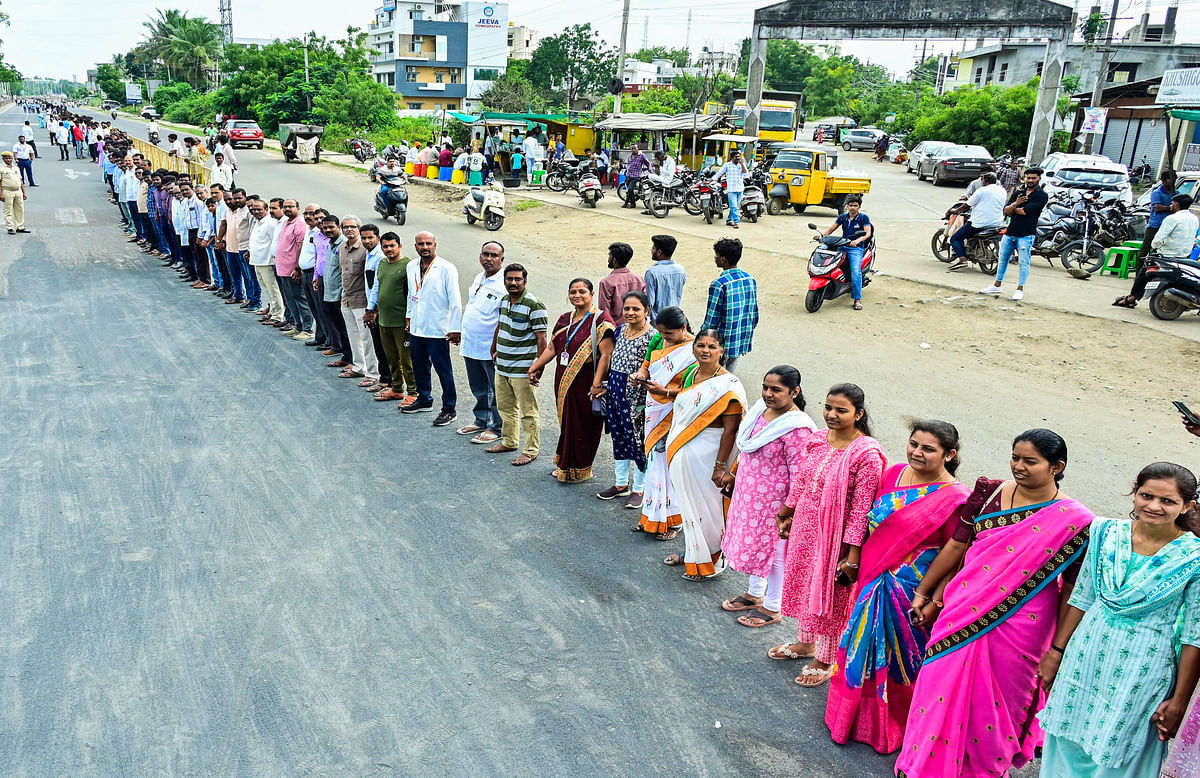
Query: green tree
point(8, 74)
point(996, 118)
point(652, 100)
point(512, 93)
point(700, 89)
point(829, 89)
point(169, 94)
point(574, 61)
point(187, 46)
point(110, 82)
point(680, 58)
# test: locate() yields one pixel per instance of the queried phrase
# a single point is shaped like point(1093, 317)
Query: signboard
point(488, 18)
point(1093, 121)
point(133, 93)
point(1191, 157)
point(389, 5)
point(1180, 87)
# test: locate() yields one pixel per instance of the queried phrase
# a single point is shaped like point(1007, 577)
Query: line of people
point(965, 628)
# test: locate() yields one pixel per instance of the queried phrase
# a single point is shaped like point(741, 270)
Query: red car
point(243, 132)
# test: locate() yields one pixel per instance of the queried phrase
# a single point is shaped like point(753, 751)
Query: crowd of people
point(967, 628)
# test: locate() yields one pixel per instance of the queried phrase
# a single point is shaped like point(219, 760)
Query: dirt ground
point(991, 367)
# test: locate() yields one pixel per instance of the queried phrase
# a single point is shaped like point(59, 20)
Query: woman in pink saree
point(975, 703)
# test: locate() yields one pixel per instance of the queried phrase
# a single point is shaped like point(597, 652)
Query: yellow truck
point(801, 177)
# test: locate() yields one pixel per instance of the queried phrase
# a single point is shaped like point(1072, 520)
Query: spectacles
point(310, 213)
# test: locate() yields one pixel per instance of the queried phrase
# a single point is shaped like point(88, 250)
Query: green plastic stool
point(1126, 261)
point(536, 176)
point(1133, 244)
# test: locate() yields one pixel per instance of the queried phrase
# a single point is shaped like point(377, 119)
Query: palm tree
point(189, 46)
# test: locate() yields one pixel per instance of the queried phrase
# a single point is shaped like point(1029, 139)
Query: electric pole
point(1102, 72)
point(307, 91)
point(621, 56)
point(645, 32)
point(687, 38)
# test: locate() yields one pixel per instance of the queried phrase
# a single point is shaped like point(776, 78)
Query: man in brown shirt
point(352, 259)
point(620, 282)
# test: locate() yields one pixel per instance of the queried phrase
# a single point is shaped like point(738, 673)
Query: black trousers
point(631, 190)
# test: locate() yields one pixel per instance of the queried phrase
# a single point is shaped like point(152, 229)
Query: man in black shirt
point(1024, 206)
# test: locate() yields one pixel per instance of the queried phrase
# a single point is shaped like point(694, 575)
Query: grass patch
point(525, 205)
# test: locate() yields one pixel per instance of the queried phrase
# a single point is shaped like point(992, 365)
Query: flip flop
point(783, 653)
point(523, 460)
point(764, 619)
point(670, 534)
point(810, 677)
point(740, 603)
point(674, 560)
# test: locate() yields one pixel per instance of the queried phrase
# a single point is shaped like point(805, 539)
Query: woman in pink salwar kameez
point(826, 525)
point(975, 704)
point(770, 444)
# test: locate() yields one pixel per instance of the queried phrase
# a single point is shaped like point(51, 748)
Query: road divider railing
point(160, 159)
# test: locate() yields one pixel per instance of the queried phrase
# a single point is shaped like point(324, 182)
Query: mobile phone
point(843, 579)
point(1192, 418)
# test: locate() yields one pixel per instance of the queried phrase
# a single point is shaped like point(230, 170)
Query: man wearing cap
point(12, 191)
point(25, 154)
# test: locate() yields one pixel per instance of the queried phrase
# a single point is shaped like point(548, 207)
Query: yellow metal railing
point(159, 158)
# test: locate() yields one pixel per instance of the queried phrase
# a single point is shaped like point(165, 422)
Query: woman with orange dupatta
point(915, 513)
point(975, 704)
point(708, 411)
point(669, 355)
point(580, 349)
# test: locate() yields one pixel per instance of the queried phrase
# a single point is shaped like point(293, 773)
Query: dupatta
point(701, 405)
point(1016, 554)
point(666, 367)
point(1132, 594)
point(582, 352)
point(898, 535)
point(749, 440)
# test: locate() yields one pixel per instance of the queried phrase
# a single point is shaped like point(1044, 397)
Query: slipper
point(1123, 302)
point(368, 382)
point(675, 560)
point(637, 528)
point(487, 436)
point(670, 534)
point(698, 578)
point(858, 305)
point(783, 653)
point(499, 448)
point(810, 677)
point(470, 429)
point(1079, 273)
point(756, 618)
point(740, 603)
point(388, 394)
point(523, 460)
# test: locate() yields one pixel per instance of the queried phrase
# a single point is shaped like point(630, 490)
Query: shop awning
point(1187, 116)
point(660, 122)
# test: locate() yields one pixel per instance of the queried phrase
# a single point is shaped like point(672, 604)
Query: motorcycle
point(361, 148)
point(1173, 285)
point(829, 269)
point(563, 175)
point(485, 203)
point(983, 248)
point(392, 198)
point(153, 138)
point(665, 196)
point(644, 186)
point(754, 198)
point(712, 200)
point(589, 189)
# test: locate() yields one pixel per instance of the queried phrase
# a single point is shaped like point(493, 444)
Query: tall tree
point(680, 58)
point(512, 93)
point(188, 46)
point(574, 61)
point(110, 82)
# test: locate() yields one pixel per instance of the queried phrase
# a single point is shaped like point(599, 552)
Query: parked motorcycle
point(563, 175)
point(712, 200)
point(589, 189)
point(1173, 285)
point(392, 198)
point(829, 268)
point(754, 198)
point(486, 204)
point(361, 148)
point(643, 188)
point(663, 196)
point(983, 248)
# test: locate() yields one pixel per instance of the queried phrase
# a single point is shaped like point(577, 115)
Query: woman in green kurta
point(1129, 641)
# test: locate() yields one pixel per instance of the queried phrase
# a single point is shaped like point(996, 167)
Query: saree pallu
point(666, 367)
point(881, 650)
point(579, 430)
point(692, 448)
point(1183, 761)
point(975, 702)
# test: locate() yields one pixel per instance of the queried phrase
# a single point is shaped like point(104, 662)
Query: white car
point(1072, 173)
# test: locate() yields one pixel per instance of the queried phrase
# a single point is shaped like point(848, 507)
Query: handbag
point(599, 404)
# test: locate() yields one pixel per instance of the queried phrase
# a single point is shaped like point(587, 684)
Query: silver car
point(860, 140)
point(926, 148)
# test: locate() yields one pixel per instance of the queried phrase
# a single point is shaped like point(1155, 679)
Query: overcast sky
point(63, 38)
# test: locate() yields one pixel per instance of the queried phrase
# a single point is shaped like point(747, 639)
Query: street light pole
point(1102, 73)
point(621, 56)
point(307, 92)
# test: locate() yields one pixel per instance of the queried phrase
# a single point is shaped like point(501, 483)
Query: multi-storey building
point(522, 41)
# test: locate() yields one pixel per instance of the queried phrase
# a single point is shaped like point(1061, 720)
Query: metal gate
point(1128, 141)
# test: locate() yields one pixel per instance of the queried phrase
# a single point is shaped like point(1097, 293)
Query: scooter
point(829, 269)
point(153, 138)
point(392, 198)
point(1173, 285)
point(754, 199)
point(485, 203)
point(590, 189)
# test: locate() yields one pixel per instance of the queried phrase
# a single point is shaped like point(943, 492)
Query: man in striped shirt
point(520, 337)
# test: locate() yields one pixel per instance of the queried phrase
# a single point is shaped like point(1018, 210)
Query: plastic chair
point(476, 178)
point(444, 174)
point(1133, 244)
point(409, 168)
point(1120, 261)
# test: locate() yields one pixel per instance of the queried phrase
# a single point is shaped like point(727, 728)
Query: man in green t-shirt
point(387, 306)
point(520, 337)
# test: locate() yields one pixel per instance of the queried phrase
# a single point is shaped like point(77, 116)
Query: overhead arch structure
point(919, 19)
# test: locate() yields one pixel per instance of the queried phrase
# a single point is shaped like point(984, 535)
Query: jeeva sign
point(488, 19)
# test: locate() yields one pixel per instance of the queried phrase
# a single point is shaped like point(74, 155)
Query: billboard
point(133, 93)
point(1180, 87)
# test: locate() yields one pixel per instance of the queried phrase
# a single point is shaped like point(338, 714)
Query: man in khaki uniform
point(12, 191)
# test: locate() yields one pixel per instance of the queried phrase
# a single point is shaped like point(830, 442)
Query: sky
point(63, 38)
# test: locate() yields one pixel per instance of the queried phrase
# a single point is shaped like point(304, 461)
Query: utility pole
point(621, 55)
point(687, 38)
point(645, 32)
point(1102, 74)
point(920, 75)
point(307, 93)
point(226, 10)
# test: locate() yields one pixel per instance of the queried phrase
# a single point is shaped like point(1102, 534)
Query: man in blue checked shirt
point(732, 302)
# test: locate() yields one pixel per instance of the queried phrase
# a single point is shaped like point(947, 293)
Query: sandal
point(756, 618)
point(523, 460)
point(366, 382)
point(670, 534)
point(740, 603)
point(810, 677)
point(783, 652)
point(1124, 302)
point(499, 448)
point(694, 578)
point(674, 560)
point(637, 528)
point(858, 305)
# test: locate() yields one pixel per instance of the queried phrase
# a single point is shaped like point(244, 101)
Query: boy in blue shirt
point(852, 222)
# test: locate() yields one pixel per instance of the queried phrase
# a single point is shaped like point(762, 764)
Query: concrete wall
point(1023, 59)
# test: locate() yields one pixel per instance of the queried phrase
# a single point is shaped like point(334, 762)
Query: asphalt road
point(224, 562)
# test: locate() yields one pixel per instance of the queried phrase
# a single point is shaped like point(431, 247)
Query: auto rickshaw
point(801, 177)
point(301, 142)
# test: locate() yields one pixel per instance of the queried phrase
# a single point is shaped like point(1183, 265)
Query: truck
point(801, 177)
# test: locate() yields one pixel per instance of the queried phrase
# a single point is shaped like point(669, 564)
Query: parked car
point(922, 150)
point(955, 163)
point(826, 130)
point(1186, 182)
point(149, 112)
point(860, 140)
point(1071, 173)
point(243, 132)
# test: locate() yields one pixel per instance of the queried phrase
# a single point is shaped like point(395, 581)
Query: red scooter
point(830, 270)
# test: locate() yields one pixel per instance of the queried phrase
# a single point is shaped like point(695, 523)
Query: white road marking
point(70, 216)
point(74, 174)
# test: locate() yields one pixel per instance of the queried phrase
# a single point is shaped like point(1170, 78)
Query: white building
point(522, 41)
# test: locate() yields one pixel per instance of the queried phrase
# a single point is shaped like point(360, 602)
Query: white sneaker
point(1018, 295)
point(990, 290)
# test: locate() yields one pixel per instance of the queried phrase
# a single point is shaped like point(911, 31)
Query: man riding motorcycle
point(665, 176)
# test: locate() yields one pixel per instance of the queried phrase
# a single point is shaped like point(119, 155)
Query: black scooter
point(1173, 285)
point(392, 198)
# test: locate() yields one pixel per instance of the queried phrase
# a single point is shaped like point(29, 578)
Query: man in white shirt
point(411, 156)
point(533, 153)
point(481, 316)
point(25, 153)
point(152, 128)
point(1176, 237)
point(434, 318)
point(262, 259)
point(62, 139)
point(987, 213)
point(222, 171)
point(176, 148)
point(226, 150)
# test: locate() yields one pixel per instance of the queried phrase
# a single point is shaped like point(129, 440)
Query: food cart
point(301, 142)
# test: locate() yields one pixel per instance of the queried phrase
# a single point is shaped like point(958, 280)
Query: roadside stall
point(653, 131)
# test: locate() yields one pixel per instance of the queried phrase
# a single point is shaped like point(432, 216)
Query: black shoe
point(419, 408)
point(311, 342)
point(444, 418)
point(12, 232)
point(23, 230)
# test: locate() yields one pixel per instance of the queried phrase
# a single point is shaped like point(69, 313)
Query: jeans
point(239, 286)
point(623, 466)
point(79, 147)
point(960, 237)
point(735, 204)
point(435, 353)
point(481, 376)
point(253, 292)
point(318, 328)
point(215, 265)
point(854, 256)
point(26, 168)
point(126, 216)
point(631, 188)
point(1023, 246)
